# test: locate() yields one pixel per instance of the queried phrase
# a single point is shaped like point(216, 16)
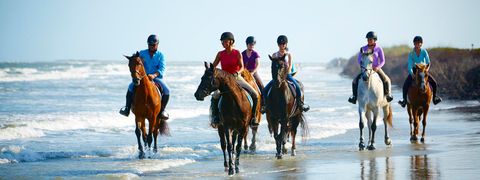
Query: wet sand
point(451, 151)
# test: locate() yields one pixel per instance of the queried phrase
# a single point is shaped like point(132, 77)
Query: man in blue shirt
point(418, 56)
point(154, 64)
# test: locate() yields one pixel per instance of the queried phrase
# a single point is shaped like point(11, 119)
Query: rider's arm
point(240, 62)
point(290, 62)
point(381, 58)
point(217, 60)
point(427, 58)
point(161, 67)
point(410, 64)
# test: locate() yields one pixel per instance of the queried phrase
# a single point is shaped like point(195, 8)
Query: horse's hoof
point(371, 147)
point(284, 151)
point(279, 156)
point(237, 170)
point(388, 142)
point(361, 146)
point(253, 148)
point(230, 171)
point(422, 140)
point(141, 155)
point(293, 152)
point(245, 147)
point(413, 139)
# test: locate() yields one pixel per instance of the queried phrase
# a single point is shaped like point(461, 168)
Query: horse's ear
point(137, 54)
point(271, 58)
point(128, 57)
point(211, 66)
point(206, 64)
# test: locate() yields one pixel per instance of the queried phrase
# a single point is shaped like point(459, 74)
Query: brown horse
point(281, 108)
point(235, 111)
point(146, 104)
point(419, 98)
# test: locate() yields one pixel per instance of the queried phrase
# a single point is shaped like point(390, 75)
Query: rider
point(378, 62)
point(251, 62)
point(154, 64)
point(231, 62)
point(282, 42)
point(416, 56)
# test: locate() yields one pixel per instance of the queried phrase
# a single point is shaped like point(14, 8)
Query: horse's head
point(208, 83)
point(137, 70)
point(421, 75)
point(366, 64)
point(279, 69)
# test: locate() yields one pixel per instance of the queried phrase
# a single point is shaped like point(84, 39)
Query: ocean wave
point(18, 154)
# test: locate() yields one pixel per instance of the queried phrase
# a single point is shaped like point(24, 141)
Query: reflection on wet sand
point(369, 169)
point(421, 168)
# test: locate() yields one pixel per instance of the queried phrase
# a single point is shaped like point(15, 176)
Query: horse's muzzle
point(198, 97)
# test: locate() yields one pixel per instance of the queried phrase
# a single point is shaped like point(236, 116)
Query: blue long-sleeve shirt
point(153, 64)
point(414, 59)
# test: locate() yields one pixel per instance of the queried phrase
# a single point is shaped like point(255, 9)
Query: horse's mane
point(230, 82)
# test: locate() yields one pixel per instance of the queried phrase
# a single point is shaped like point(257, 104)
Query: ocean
point(60, 119)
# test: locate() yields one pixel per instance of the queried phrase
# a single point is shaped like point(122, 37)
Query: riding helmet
point(250, 40)
point(418, 39)
point(371, 35)
point(227, 36)
point(152, 39)
point(282, 39)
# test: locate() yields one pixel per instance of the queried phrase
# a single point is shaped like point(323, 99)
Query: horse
point(235, 112)
point(370, 100)
point(419, 98)
point(146, 105)
point(281, 108)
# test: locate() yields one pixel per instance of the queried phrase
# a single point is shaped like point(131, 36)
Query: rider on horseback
point(282, 42)
point(251, 63)
point(231, 61)
point(378, 62)
point(416, 56)
point(154, 66)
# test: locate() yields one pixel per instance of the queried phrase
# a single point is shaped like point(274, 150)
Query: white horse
point(371, 100)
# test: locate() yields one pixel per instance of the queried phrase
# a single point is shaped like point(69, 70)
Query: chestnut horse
point(281, 110)
point(235, 111)
point(419, 98)
point(371, 100)
point(146, 104)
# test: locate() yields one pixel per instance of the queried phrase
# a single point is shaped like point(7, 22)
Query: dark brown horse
point(281, 109)
point(419, 98)
point(146, 104)
point(235, 111)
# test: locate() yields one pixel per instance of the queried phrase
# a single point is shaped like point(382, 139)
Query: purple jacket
point(378, 56)
point(249, 62)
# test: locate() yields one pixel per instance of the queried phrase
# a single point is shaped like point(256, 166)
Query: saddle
point(159, 88)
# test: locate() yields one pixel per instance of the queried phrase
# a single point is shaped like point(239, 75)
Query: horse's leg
point(238, 150)
point(284, 134)
point(230, 150)
point(221, 135)
point(138, 132)
point(245, 144)
point(253, 145)
point(278, 142)
point(411, 120)
point(424, 122)
point(416, 119)
point(386, 111)
point(361, 124)
point(155, 136)
point(372, 124)
point(293, 131)
point(151, 127)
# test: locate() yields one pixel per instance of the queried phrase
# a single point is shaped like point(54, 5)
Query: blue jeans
point(166, 89)
point(289, 78)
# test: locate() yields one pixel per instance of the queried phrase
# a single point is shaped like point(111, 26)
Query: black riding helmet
point(250, 40)
point(282, 39)
point(227, 36)
point(152, 39)
point(418, 39)
point(371, 35)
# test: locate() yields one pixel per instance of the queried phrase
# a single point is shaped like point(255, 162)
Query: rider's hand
point(376, 69)
point(152, 76)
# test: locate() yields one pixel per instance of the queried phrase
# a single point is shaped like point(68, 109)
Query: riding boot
point(389, 96)
point(215, 119)
point(353, 98)
point(254, 120)
point(126, 110)
point(262, 104)
point(302, 106)
point(163, 114)
point(433, 82)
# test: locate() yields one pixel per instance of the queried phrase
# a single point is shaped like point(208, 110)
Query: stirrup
point(164, 115)
point(389, 98)
point(402, 103)
point(124, 111)
point(352, 99)
point(437, 100)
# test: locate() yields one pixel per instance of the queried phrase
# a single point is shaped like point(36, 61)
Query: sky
point(189, 30)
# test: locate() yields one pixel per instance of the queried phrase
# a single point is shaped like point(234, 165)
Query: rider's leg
point(298, 91)
point(165, 97)
point(129, 99)
point(353, 98)
point(433, 82)
point(259, 83)
point(253, 93)
point(386, 84)
point(265, 91)
point(406, 86)
point(214, 109)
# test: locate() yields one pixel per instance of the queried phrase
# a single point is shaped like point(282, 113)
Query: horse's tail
point(390, 115)
point(304, 125)
point(163, 128)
